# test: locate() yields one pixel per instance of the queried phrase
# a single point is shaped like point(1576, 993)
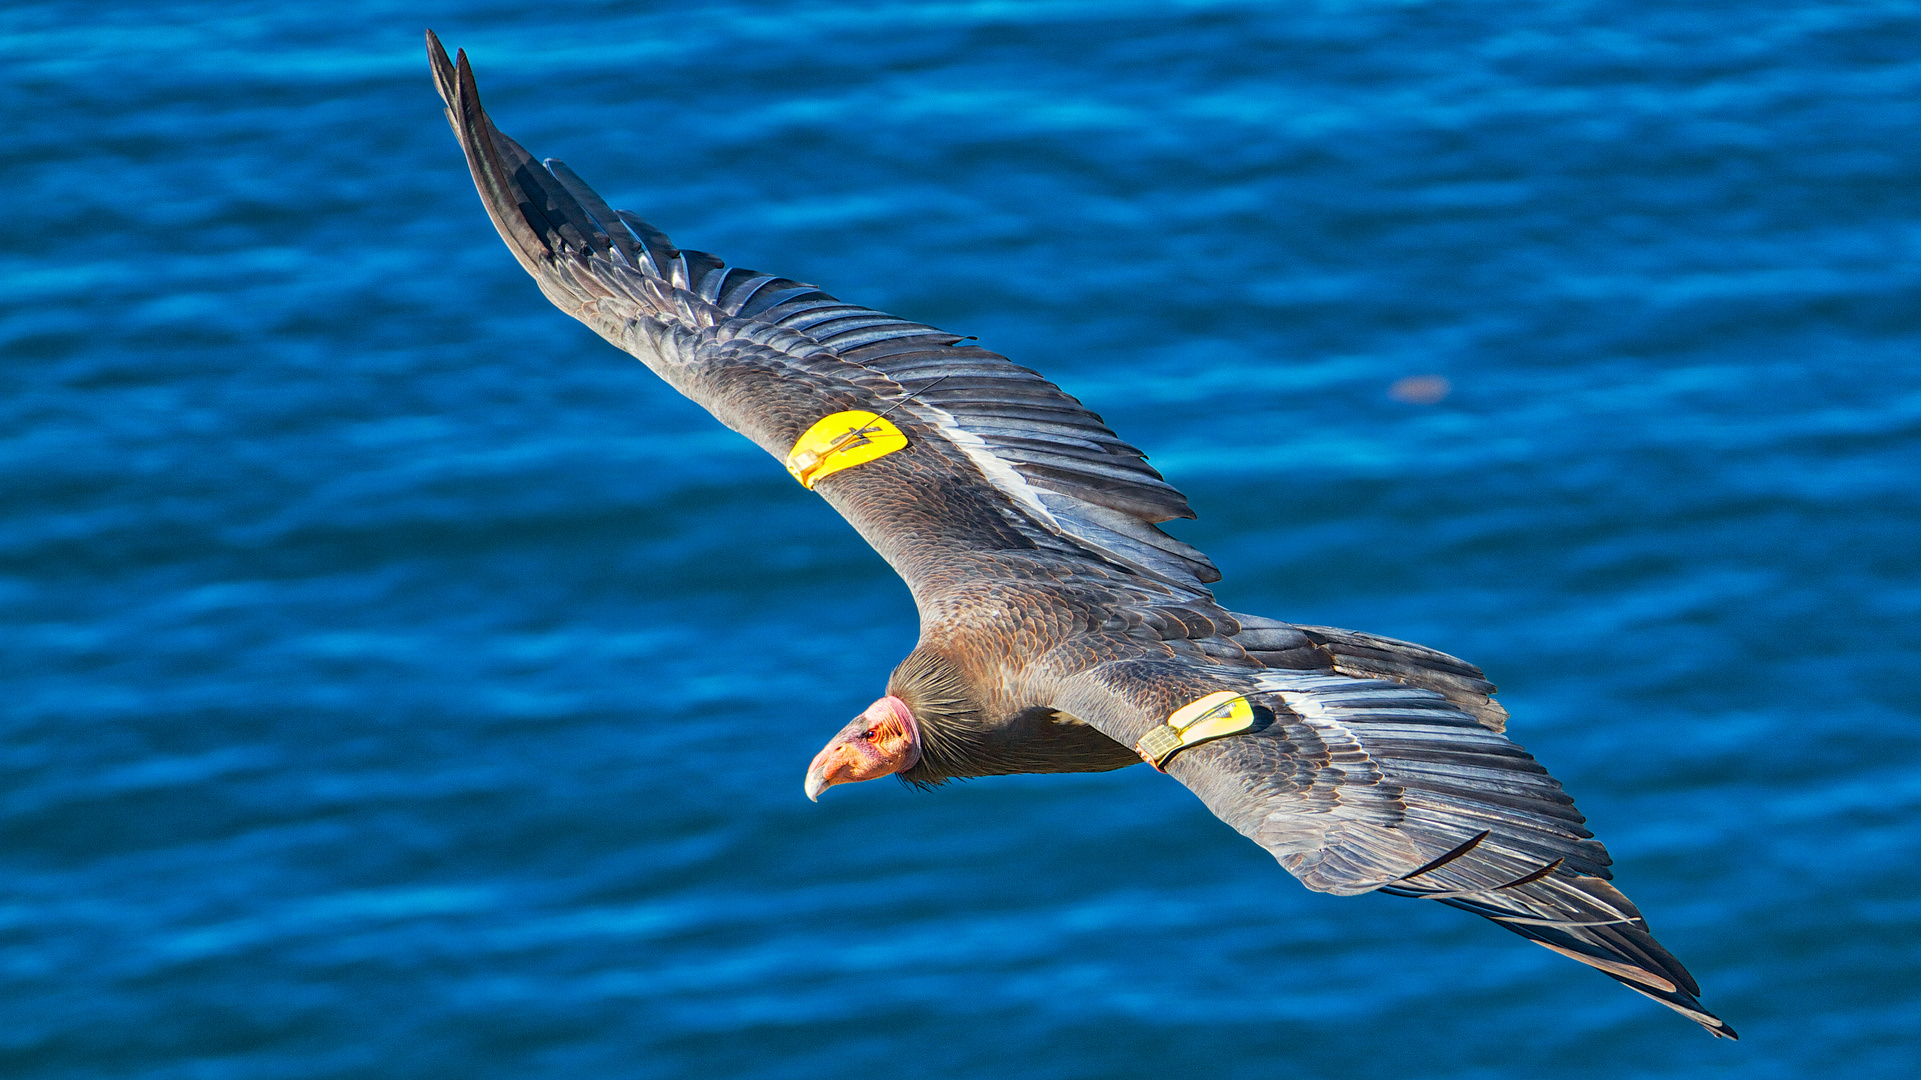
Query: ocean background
point(398, 681)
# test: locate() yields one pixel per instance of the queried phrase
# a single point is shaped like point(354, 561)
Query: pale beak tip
point(814, 786)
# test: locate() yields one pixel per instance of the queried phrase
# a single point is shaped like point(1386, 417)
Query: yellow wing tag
point(1215, 716)
point(842, 441)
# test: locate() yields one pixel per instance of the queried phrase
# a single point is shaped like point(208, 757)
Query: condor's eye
point(869, 733)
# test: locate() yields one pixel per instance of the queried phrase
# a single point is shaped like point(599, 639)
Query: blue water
point(400, 682)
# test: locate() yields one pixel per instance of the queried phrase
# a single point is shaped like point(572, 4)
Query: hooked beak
point(817, 781)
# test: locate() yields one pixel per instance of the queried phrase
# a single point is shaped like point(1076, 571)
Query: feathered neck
point(965, 732)
point(954, 734)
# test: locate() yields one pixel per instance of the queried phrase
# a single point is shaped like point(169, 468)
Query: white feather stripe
point(998, 471)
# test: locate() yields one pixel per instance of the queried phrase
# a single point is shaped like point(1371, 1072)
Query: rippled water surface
point(399, 681)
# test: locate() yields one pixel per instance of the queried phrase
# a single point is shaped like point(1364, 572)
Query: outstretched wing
point(1364, 784)
point(1354, 783)
point(998, 458)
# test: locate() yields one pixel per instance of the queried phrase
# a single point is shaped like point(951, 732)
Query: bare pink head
point(882, 741)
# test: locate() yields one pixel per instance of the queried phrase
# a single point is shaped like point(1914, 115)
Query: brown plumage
point(1059, 625)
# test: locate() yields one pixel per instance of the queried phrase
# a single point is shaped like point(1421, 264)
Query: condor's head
point(882, 741)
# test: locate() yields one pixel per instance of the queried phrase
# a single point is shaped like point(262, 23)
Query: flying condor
point(1061, 630)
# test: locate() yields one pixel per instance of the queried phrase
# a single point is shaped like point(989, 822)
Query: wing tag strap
point(1215, 716)
point(842, 441)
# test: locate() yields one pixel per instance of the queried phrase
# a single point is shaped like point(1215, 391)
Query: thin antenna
point(841, 442)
